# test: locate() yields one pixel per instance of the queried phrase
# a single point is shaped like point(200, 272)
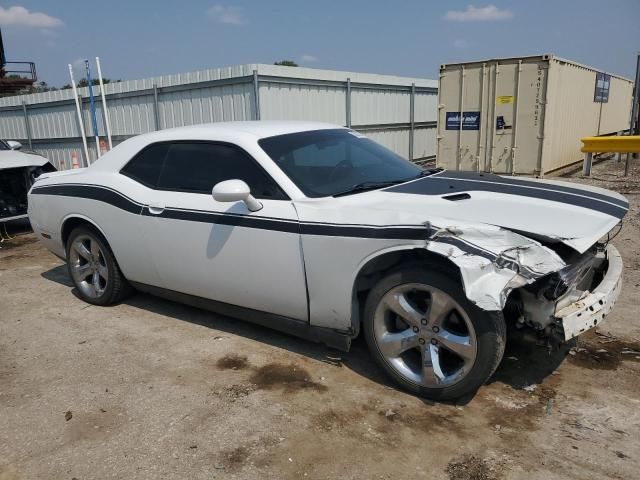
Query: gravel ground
point(153, 389)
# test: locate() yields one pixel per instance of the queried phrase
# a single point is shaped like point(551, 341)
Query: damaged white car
point(317, 231)
point(18, 169)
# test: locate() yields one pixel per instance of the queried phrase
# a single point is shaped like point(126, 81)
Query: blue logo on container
point(470, 121)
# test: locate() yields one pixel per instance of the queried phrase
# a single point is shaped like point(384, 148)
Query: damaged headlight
point(574, 275)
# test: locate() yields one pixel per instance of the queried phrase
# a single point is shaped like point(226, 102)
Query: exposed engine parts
point(535, 305)
point(14, 186)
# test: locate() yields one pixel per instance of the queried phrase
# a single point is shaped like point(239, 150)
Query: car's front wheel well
point(378, 267)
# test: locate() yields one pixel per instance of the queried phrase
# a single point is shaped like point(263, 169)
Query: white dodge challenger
point(317, 231)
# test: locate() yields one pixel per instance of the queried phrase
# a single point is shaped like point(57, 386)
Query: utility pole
point(634, 127)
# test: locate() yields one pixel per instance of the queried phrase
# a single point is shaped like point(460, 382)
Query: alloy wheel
point(88, 266)
point(425, 335)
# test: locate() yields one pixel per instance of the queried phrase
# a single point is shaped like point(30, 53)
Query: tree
point(37, 87)
point(286, 63)
point(40, 87)
point(83, 83)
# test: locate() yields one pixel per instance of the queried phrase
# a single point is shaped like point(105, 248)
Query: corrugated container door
point(460, 115)
point(517, 116)
point(531, 105)
point(501, 125)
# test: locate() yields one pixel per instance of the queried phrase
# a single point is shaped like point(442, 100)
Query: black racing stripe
point(320, 229)
point(92, 192)
point(388, 233)
point(111, 197)
point(226, 219)
point(440, 185)
point(492, 257)
point(466, 247)
point(493, 178)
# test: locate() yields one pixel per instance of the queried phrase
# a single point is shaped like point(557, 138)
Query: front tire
point(93, 268)
point(428, 337)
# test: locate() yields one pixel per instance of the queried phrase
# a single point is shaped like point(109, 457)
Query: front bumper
point(591, 310)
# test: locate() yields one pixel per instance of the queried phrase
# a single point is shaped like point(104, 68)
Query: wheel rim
point(425, 335)
point(88, 266)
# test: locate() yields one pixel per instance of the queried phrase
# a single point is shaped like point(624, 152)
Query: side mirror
point(235, 191)
point(13, 145)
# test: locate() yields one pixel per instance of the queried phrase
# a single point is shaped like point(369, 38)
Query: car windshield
point(336, 162)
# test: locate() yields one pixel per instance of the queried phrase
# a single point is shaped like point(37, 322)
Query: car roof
point(237, 132)
point(256, 128)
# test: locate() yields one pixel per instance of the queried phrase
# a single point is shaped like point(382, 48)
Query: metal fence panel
point(12, 125)
point(128, 116)
point(424, 143)
point(394, 139)
point(426, 107)
point(53, 121)
point(378, 105)
point(287, 101)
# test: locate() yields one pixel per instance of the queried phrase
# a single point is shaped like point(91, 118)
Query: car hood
point(15, 159)
point(576, 215)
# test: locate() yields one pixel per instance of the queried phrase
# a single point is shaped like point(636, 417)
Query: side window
point(146, 166)
point(197, 167)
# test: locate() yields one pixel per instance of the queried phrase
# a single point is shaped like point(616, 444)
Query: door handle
point(156, 208)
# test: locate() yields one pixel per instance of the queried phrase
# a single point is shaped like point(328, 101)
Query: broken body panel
point(17, 173)
point(499, 232)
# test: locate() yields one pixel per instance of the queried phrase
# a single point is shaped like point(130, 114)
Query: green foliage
point(286, 63)
point(83, 83)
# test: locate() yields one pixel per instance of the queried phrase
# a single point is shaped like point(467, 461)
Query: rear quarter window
point(146, 166)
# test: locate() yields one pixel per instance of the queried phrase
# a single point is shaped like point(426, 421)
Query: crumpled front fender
point(492, 260)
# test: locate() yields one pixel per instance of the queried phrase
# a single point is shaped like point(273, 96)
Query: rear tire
point(93, 268)
point(428, 337)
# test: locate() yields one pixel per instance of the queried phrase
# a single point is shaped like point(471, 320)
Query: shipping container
point(525, 115)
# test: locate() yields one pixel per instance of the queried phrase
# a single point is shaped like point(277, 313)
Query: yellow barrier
point(612, 144)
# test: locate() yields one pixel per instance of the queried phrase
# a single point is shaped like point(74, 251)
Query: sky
point(144, 38)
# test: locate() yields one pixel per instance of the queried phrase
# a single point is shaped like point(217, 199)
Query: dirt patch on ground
point(12, 260)
point(233, 361)
point(14, 251)
point(423, 419)
point(235, 458)
point(18, 241)
point(93, 426)
point(7, 473)
point(234, 392)
point(290, 378)
point(512, 412)
point(471, 467)
point(334, 420)
point(602, 351)
point(253, 452)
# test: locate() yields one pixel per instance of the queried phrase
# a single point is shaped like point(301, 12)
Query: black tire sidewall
point(107, 297)
point(489, 329)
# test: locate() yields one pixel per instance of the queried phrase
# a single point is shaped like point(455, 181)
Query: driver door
point(223, 251)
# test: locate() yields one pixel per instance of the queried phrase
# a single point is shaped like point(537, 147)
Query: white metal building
point(398, 112)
